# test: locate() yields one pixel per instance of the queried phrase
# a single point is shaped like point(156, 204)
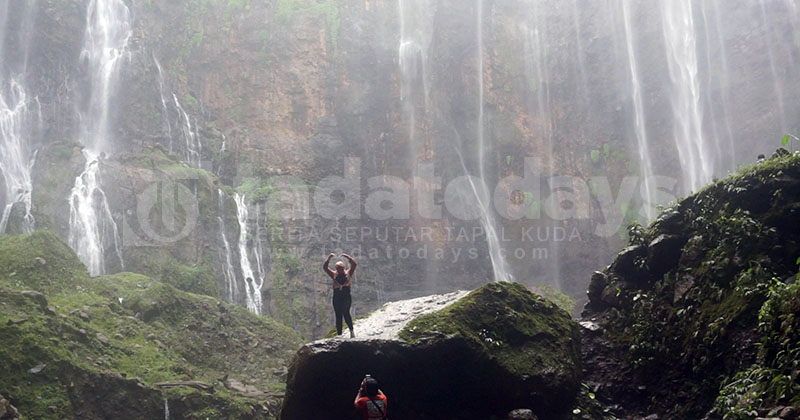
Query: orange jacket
point(367, 408)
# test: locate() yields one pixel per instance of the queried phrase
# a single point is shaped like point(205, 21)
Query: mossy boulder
point(78, 347)
point(458, 356)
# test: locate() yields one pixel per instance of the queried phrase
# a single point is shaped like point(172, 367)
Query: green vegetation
point(770, 381)
point(728, 288)
point(786, 141)
point(89, 331)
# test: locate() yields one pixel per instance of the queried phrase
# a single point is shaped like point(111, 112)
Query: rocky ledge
point(462, 355)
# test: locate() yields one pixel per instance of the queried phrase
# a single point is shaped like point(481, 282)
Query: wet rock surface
point(455, 356)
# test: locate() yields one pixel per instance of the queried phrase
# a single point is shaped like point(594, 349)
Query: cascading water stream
point(253, 283)
point(16, 162)
point(166, 408)
point(717, 81)
point(228, 271)
point(193, 148)
point(536, 70)
point(415, 27)
point(92, 227)
point(18, 113)
point(192, 144)
point(640, 128)
point(164, 108)
point(776, 81)
point(499, 264)
point(696, 155)
point(583, 90)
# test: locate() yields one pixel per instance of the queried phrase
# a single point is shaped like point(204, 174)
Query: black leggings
point(341, 306)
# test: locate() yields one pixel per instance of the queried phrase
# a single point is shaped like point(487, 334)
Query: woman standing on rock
point(342, 280)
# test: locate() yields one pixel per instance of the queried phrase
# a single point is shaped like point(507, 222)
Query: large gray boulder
point(455, 356)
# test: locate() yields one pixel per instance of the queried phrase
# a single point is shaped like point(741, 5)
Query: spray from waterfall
point(18, 113)
point(253, 282)
point(92, 227)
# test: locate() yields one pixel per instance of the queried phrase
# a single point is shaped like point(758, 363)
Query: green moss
point(39, 261)
point(501, 318)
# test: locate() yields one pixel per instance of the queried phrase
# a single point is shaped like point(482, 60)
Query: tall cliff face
point(251, 91)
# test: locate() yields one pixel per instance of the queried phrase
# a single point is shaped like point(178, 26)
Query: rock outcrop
point(455, 356)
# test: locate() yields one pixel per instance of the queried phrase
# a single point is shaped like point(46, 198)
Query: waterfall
point(18, 112)
point(415, 27)
point(258, 251)
point(481, 192)
point(583, 90)
point(166, 408)
point(536, 71)
point(776, 81)
point(92, 226)
point(640, 128)
point(252, 282)
point(190, 137)
point(105, 47)
point(15, 161)
point(718, 80)
point(164, 108)
point(228, 272)
point(681, 41)
point(193, 148)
